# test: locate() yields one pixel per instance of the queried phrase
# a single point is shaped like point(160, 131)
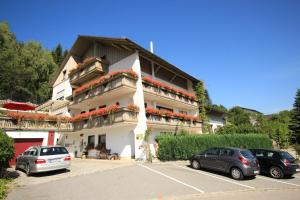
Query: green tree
point(238, 116)
point(201, 96)
point(38, 66)
point(295, 117)
point(6, 151)
point(25, 69)
point(9, 62)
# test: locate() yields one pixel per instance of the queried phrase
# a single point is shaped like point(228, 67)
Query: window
point(33, 152)
point(169, 76)
point(212, 152)
point(286, 155)
point(183, 112)
point(103, 106)
point(60, 95)
point(82, 112)
point(260, 153)
point(146, 65)
point(102, 141)
point(270, 154)
point(226, 152)
point(164, 108)
point(247, 154)
point(92, 109)
point(91, 141)
point(53, 151)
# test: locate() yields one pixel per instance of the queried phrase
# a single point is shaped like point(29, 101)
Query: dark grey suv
point(237, 162)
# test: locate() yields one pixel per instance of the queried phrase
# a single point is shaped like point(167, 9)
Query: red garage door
point(21, 144)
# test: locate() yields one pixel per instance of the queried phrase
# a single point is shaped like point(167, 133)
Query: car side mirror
point(205, 155)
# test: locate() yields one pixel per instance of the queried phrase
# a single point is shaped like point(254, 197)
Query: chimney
point(151, 46)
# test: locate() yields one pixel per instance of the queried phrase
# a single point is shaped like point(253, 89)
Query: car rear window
point(286, 155)
point(48, 151)
point(247, 154)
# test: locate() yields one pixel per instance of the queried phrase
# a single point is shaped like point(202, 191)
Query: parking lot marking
point(200, 172)
point(270, 179)
point(173, 179)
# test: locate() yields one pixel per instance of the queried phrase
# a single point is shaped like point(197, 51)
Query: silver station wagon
point(43, 158)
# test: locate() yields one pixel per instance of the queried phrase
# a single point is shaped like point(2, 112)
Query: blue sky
point(247, 52)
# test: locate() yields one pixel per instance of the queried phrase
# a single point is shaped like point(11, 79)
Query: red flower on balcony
point(133, 107)
point(95, 113)
point(169, 88)
point(36, 116)
point(167, 113)
point(103, 79)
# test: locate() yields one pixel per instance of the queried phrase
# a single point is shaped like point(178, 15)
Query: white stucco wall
point(32, 134)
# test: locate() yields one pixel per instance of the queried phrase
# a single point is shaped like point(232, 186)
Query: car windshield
point(48, 151)
point(247, 154)
point(286, 155)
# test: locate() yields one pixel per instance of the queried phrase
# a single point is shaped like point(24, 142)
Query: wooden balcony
point(116, 87)
point(87, 71)
point(163, 96)
point(170, 124)
point(8, 123)
point(123, 115)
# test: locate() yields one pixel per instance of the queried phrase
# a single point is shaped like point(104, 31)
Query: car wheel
point(27, 170)
point(236, 173)
point(276, 172)
point(195, 164)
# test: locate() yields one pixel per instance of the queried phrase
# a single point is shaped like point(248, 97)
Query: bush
point(298, 149)
point(183, 147)
point(240, 129)
point(3, 187)
point(6, 150)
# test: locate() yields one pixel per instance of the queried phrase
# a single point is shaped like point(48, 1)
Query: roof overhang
point(82, 44)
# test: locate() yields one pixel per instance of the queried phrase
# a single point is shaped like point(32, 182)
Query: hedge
point(182, 147)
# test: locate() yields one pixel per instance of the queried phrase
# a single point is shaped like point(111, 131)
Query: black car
point(276, 163)
point(237, 162)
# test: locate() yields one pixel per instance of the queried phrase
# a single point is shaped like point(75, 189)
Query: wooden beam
point(116, 46)
point(127, 48)
point(173, 78)
point(157, 69)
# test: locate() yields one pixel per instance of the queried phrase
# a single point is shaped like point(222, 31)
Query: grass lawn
point(3, 187)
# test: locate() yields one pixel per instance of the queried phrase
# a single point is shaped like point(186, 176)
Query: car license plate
point(54, 160)
point(256, 172)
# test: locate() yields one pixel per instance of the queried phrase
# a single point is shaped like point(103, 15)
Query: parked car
point(237, 162)
point(276, 163)
point(43, 158)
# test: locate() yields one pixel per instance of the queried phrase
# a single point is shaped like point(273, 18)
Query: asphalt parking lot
point(170, 180)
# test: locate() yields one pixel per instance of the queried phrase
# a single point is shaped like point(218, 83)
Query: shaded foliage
point(6, 151)
point(182, 147)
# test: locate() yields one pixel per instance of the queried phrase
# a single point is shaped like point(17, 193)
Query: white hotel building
point(149, 92)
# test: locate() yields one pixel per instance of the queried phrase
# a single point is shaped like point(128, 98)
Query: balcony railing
point(87, 71)
point(122, 115)
point(121, 80)
point(8, 123)
point(148, 88)
point(157, 120)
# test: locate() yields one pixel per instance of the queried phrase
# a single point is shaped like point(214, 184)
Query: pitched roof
point(83, 42)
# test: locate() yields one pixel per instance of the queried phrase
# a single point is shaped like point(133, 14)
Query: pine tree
point(295, 117)
point(57, 54)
